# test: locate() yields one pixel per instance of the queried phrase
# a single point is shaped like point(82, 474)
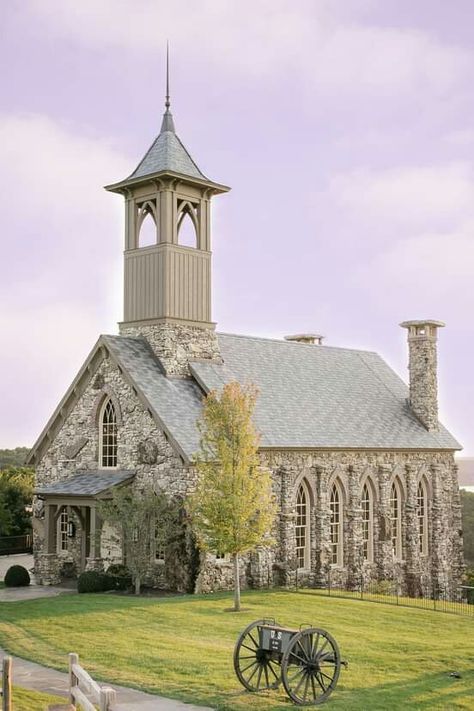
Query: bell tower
point(167, 258)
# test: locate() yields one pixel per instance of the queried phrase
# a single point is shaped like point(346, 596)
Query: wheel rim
point(256, 668)
point(310, 667)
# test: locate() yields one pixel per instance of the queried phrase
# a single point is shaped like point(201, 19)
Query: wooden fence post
point(7, 684)
point(73, 659)
point(107, 697)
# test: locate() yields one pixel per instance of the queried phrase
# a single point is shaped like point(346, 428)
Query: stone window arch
point(108, 435)
point(422, 516)
point(367, 506)
point(396, 499)
point(336, 523)
point(303, 526)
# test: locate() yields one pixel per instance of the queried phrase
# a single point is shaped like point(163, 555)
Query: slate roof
point(87, 483)
point(310, 396)
point(167, 153)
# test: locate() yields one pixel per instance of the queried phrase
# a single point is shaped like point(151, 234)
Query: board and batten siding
point(167, 281)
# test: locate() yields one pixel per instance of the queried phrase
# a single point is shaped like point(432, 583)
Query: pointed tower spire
point(167, 124)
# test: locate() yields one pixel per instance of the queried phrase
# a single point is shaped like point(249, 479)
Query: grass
point(26, 700)
point(182, 647)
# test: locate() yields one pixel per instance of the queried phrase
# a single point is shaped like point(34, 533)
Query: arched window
point(396, 520)
point(108, 435)
point(367, 503)
point(147, 234)
point(187, 227)
point(422, 518)
point(302, 527)
point(336, 512)
point(62, 531)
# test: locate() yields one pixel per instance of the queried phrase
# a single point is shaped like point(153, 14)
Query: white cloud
point(321, 44)
point(59, 282)
point(412, 196)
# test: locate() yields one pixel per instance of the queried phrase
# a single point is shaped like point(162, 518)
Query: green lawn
point(182, 646)
point(26, 700)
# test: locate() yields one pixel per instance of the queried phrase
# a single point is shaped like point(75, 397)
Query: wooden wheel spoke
point(259, 678)
point(306, 688)
point(256, 664)
point(251, 649)
point(303, 650)
point(327, 677)
point(314, 647)
point(255, 643)
point(295, 676)
point(295, 656)
point(299, 683)
point(313, 686)
point(248, 666)
point(273, 671)
point(266, 675)
point(321, 683)
point(247, 656)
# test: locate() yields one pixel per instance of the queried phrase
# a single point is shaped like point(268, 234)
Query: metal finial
point(167, 102)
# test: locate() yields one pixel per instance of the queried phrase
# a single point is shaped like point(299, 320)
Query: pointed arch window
point(336, 532)
point(396, 520)
point(187, 225)
point(302, 527)
point(108, 435)
point(147, 224)
point(367, 503)
point(422, 518)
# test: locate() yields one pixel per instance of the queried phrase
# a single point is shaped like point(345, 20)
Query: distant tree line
point(16, 492)
point(467, 501)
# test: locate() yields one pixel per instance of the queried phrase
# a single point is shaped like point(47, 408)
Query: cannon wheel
point(310, 667)
point(254, 666)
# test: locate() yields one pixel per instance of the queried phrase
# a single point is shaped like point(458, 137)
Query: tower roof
point(167, 153)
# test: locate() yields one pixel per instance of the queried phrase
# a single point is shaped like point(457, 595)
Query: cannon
point(306, 660)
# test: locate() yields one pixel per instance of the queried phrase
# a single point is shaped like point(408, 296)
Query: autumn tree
point(233, 506)
point(142, 519)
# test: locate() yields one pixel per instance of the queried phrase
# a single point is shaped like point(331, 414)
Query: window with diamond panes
point(335, 506)
point(108, 435)
point(396, 521)
point(302, 527)
point(62, 528)
point(421, 514)
point(367, 523)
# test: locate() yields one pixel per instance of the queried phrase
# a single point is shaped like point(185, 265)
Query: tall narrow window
point(302, 527)
point(61, 531)
point(421, 513)
point(396, 520)
point(108, 435)
point(335, 506)
point(367, 523)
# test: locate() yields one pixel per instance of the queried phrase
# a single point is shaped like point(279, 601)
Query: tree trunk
point(236, 583)
point(137, 585)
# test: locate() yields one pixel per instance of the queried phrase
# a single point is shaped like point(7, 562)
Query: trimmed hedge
point(94, 581)
point(17, 577)
point(121, 576)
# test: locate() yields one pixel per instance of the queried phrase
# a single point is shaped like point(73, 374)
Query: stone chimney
point(308, 338)
point(423, 367)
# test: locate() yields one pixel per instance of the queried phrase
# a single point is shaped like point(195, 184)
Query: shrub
point(94, 581)
point(17, 576)
point(120, 575)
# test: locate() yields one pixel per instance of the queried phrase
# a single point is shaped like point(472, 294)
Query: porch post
point(94, 562)
point(47, 562)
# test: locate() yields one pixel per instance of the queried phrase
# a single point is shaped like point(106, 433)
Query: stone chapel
point(363, 471)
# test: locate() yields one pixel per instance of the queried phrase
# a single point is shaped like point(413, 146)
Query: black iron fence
point(9, 545)
point(391, 592)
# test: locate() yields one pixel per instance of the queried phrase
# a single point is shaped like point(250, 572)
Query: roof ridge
point(292, 344)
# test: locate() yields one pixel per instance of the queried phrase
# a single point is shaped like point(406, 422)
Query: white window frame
point(303, 529)
point(367, 506)
point(62, 530)
point(102, 445)
point(336, 528)
point(422, 517)
point(396, 519)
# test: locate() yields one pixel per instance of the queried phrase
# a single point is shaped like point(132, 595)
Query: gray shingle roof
point(310, 396)
point(167, 153)
point(87, 483)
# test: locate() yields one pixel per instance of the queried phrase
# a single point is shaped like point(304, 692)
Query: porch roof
point(86, 483)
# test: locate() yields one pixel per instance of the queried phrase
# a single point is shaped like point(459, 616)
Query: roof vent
point(308, 338)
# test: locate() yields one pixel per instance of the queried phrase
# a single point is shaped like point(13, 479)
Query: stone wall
point(176, 344)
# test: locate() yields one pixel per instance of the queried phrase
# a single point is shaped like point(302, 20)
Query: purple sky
point(344, 127)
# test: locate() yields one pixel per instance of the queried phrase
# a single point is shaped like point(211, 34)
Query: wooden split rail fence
point(81, 686)
point(81, 683)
